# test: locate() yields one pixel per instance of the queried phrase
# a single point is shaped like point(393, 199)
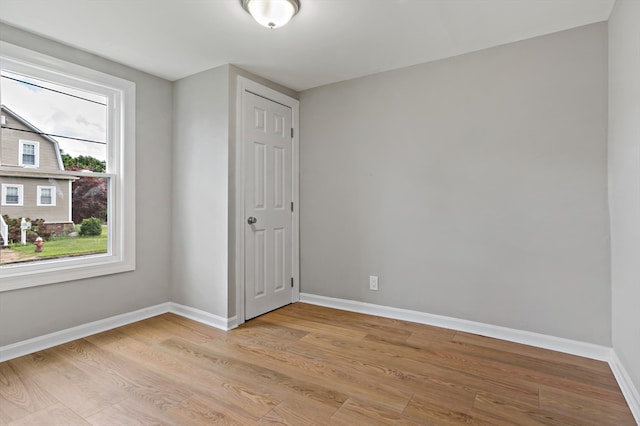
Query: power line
point(53, 135)
point(52, 90)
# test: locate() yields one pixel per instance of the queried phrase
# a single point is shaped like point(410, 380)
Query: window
point(73, 130)
point(29, 152)
point(11, 195)
point(46, 196)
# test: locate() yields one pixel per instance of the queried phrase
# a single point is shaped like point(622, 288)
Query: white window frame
point(54, 195)
point(36, 149)
point(120, 256)
point(5, 186)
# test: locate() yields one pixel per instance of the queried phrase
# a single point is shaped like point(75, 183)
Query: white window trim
point(54, 195)
point(69, 201)
point(121, 172)
point(20, 194)
point(36, 150)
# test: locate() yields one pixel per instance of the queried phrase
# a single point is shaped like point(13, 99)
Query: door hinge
point(292, 206)
point(292, 133)
point(291, 282)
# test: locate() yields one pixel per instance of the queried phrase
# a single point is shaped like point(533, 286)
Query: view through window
point(53, 170)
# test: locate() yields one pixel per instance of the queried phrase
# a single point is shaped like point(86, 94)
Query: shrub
point(37, 229)
point(91, 227)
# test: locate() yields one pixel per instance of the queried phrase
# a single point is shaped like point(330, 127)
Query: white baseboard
point(534, 339)
point(36, 344)
point(588, 350)
point(203, 317)
point(630, 392)
point(40, 343)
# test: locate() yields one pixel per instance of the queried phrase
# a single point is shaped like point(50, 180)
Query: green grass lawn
point(65, 246)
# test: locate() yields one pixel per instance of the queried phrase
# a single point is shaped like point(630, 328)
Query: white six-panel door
point(268, 217)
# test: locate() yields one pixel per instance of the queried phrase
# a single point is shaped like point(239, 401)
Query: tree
point(89, 194)
point(89, 198)
point(83, 162)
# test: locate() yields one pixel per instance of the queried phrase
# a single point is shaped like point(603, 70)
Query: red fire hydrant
point(39, 244)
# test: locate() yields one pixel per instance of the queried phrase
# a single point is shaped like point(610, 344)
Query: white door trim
point(244, 84)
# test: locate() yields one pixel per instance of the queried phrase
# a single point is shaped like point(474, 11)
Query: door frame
point(245, 84)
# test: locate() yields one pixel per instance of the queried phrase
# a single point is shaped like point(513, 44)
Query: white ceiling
point(328, 41)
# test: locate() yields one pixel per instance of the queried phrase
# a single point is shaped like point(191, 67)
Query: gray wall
point(37, 311)
point(624, 181)
point(474, 187)
point(201, 190)
point(204, 188)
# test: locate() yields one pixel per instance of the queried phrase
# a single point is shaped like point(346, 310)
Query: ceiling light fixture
point(271, 13)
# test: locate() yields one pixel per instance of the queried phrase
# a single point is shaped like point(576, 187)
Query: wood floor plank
point(10, 411)
point(336, 316)
point(586, 409)
point(376, 327)
point(299, 412)
point(130, 412)
point(383, 380)
point(169, 324)
point(252, 373)
point(4, 417)
point(415, 369)
point(511, 372)
point(357, 412)
point(320, 372)
point(204, 330)
point(38, 362)
point(204, 410)
point(78, 391)
point(447, 394)
point(242, 399)
point(430, 335)
point(55, 415)
point(596, 372)
point(203, 380)
point(304, 365)
point(137, 382)
point(142, 332)
point(505, 409)
point(530, 351)
point(311, 326)
point(265, 334)
point(428, 411)
point(575, 378)
point(20, 394)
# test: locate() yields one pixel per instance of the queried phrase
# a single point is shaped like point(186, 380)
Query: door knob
point(251, 220)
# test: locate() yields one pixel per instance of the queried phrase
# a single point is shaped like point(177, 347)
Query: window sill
point(15, 277)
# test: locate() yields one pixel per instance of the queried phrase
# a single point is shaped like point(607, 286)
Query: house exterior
point(29, 181)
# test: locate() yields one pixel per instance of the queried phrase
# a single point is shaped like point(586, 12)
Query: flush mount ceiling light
point(271, 13)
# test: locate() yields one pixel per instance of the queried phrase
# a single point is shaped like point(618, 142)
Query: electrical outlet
point(373, 283)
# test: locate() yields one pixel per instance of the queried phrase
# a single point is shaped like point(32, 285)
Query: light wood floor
point(300, 365)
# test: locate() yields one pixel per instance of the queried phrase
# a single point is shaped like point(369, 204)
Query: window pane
point(61, 111)
point(45, 196)
point(13, 196)
point(89, 235)
point(28, 155)
point(29, 159)
point(68, 127)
